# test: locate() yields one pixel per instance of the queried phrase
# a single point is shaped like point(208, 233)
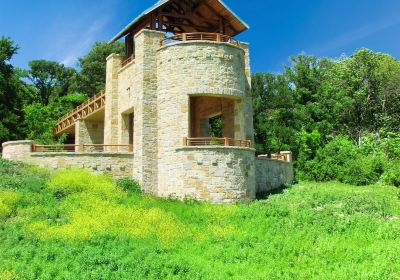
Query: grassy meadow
point(76, 225)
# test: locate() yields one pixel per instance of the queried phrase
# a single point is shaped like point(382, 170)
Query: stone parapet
point(17, 150)
point(116, 164)
point(216, 174)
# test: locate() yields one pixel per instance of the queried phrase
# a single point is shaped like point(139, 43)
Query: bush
point(66, 182)
point(129, 185)
point(332, 160)
point(363, 170)
point(341, 160)
point(391, 176)
point(9, 168)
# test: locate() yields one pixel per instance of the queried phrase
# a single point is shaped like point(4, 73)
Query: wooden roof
point(185, 16)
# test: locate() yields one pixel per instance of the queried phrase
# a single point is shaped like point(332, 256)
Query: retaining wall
point(216, 174)
point(117, 164)
point(272, 174)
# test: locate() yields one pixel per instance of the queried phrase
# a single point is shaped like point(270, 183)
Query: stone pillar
point(240, 124)
point(146, 122)
point(248, 100)
point(111, 119)
point(89, 132)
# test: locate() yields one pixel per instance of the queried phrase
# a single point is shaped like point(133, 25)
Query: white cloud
point(84, 43)
point(357, 34)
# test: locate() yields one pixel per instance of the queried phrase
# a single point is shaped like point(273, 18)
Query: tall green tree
point(367, 87)
point(51, 79)
point(92, 77)
point(12, 92)
point(276, 118)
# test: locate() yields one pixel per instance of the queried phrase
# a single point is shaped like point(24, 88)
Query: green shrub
point(391, 176)
point(391, 145)
point(10, 168)
point(129, 185)
point(66, 182)
point(332, 160)
point(8, 201)
point(363, 170)
point(341, 160)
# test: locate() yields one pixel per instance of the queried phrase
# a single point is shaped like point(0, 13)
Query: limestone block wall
point(128, 99)
point(127, 87)
point(188, 69)
point(272, 174)
point(204, 67)
point(216, 174)
point(17, 150)
point(111, 119)
point(89, 132)
point(248, 100)
point(147, 43)
point(117, 164)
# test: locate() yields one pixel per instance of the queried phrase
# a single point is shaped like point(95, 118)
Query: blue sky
point(65, 30)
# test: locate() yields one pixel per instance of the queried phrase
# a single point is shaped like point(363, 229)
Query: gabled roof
point(208, 9)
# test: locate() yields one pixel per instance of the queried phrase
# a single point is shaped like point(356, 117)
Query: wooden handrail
point(89, 107)
point(128, 60)
point(200, 36)
point(211, 141)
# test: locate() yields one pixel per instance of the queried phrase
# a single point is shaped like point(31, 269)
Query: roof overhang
point(215, 6)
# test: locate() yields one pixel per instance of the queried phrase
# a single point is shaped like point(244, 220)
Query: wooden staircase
point(83, 111)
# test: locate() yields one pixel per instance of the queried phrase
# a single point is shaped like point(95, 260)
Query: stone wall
point(117, 164)
point(147, 43)
point(111, 111)
point(216, 174)
point(89, 132)
point(195, 69)
point(272, 174)
point(17, 150)
point(205, 67)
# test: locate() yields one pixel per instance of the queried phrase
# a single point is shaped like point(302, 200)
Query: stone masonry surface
point(116, 164)
point(168, 93)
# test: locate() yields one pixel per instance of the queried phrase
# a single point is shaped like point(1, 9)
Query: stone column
point(248, 100)
point(111, 119)
point(146, 122)
point(89, 132)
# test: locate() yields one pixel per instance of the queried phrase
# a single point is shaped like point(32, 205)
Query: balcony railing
point(209, 141)
point(200, 36)
point(89, 107)
point(128, 60)
point(83, 148)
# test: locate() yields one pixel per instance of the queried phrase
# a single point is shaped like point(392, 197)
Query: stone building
point(176, 113)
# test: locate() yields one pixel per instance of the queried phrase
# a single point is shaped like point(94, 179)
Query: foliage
point(30, 110)
point(92, 77)
point(129, 185)
point(53, 80)
point(343, 161)
point(310, 231)
point(339, 117)
point(67, 182)
point(392, 174)
point(12, 92)
point(215, 127)
point(41, 120)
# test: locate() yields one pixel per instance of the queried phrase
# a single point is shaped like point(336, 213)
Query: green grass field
point(74, 225)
